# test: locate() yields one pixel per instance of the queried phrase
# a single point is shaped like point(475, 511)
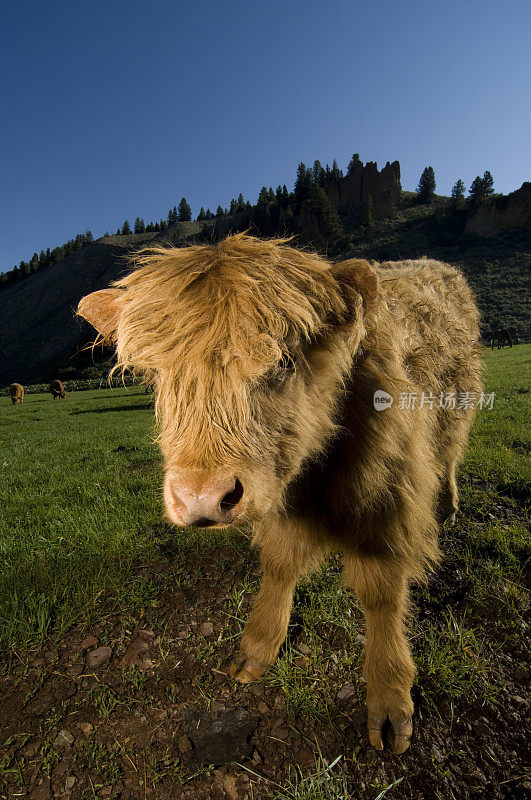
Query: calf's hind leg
point(287, 553)
point(448, 501)
point(382, 589)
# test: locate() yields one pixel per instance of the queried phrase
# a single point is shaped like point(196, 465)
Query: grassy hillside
point(88, 563)
point(42, 338)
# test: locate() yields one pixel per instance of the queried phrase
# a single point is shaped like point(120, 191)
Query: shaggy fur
point(57, 389)
point(17, 393)
point(265, 361)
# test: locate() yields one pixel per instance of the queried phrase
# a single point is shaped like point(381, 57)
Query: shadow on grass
point(104, 409)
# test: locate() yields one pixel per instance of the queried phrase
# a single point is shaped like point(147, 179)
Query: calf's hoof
point(402, 729)
point(245, 670)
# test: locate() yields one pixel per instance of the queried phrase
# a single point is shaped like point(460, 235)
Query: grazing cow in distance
point(501, 337)
point(57, 389)
point(307, 400)
point(17, 393)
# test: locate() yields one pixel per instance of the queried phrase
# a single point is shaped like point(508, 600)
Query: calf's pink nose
point(205, 502)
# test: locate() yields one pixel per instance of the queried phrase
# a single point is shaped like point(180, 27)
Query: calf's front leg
point(382, 589)
point(287, 553)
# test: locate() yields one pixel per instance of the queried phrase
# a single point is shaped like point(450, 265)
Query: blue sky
point(112, 110)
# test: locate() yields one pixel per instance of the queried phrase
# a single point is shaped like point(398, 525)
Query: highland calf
point(58, 390)
point(315, 402)
point(17, 393)
point(500, 338)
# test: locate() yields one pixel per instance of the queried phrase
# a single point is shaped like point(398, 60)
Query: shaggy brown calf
point(501, 337)
point(57, 389)
point(17, 393)
point(266, 361)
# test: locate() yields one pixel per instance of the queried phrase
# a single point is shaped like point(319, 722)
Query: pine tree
point(488, 184)
point(185, 212)
point(126, 230)
point(202, 215)
point(241, 202)
point(219, 211)
point(426, 187)
point(458, 190)
point(263, 198)
point(476, 190)
point(458, 193)
point(303, 185)
point(336, 172)
point(354, 163)
point(318, 173)
point(327, 217)
point(139, 225)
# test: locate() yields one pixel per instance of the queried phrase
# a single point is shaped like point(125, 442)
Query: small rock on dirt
point(85, 727)
point(517, 699)
point(64, 738)
point(207, 629)
point(88, 642)
point(346, 693)
point(133, 656)
point(229, 784)
point(184, 744)
point(96, 658)
point(218, 737)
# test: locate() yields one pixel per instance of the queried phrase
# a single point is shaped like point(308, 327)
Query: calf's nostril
point(233, 497)
point(203, 522)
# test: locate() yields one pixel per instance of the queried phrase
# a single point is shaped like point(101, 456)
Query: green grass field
point(81, 541)
point(80, 487)
point(80, 492)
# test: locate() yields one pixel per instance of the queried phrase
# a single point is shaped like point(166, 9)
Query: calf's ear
point(102, 309)
point(356, 277)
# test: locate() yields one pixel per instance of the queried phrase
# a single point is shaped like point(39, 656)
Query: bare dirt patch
point(141, 705)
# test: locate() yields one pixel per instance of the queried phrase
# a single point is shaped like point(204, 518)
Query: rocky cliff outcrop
point(364, 181)
point(504, 213)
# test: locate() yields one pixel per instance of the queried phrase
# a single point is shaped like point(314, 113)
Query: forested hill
point(40, 334)
point(41, 337)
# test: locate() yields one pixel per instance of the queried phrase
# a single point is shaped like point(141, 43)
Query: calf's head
point(247, 343)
